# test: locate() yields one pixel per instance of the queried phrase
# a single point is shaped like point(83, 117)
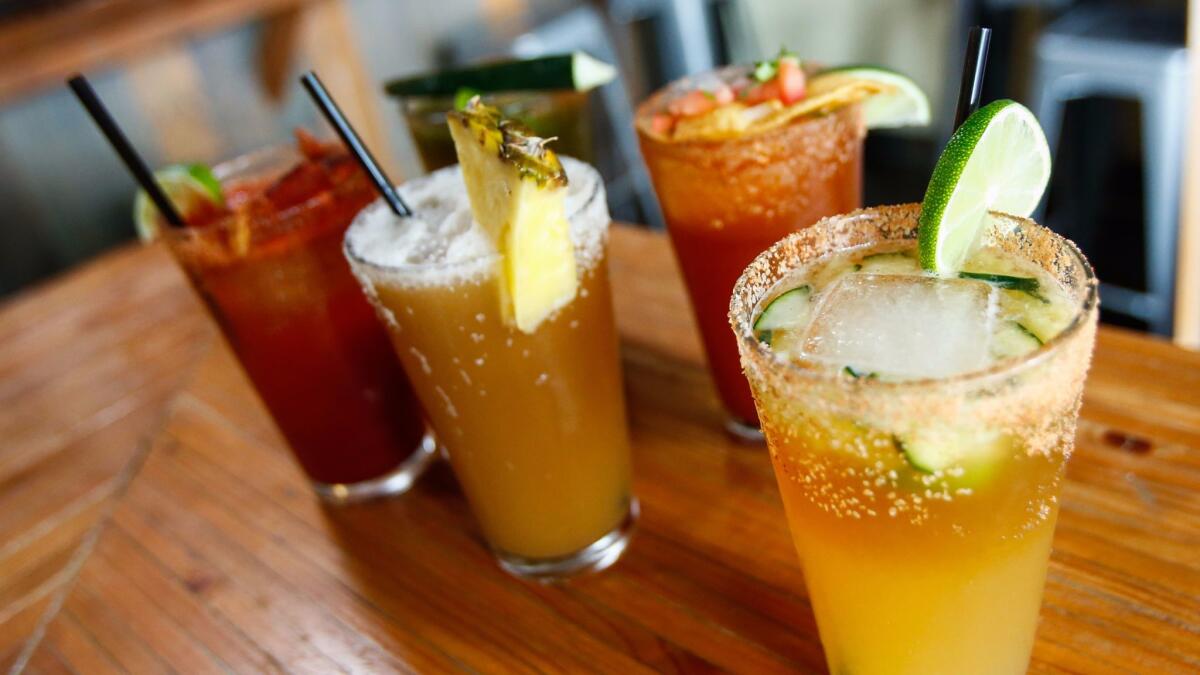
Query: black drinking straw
point(334, 114)
point(133, 161)
point(974, 63)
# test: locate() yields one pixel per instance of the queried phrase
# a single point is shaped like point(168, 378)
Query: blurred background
point(204, 80)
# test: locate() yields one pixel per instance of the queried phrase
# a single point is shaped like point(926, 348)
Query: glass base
point(600, 555)
point(387, 485)
point(743, 432)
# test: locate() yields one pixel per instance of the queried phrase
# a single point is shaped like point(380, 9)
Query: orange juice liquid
point(909, 574)
point(534, 423)
point(922, 505)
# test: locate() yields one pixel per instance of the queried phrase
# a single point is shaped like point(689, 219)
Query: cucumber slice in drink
point(902, 104)
point(788, 310)
point(578, 71)
point(887, 263)
point(1024, 284)
point(1012, 338)
point(188, 187)
point(786, 313)
point(964, 459)
point(780, 323)
point(998, 160)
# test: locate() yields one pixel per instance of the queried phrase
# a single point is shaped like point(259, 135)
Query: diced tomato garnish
point(694, 102)
point(298, 185)
point(341, 168)
point(310, 146)
point(791, 81)
point(765, 91)
point(201, 213)
point(662, 124)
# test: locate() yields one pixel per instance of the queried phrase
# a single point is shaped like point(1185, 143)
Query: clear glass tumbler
point(911, 571)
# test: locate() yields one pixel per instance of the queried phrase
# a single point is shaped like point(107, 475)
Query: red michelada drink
point(263, 248)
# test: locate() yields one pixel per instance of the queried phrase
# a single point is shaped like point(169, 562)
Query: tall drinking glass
point(273, 276)
point(725, 201)
point(533, 423)
point(914, 568)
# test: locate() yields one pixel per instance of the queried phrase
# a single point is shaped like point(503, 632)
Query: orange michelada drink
point(918, 371)
point(496, 294)
point(742, 156)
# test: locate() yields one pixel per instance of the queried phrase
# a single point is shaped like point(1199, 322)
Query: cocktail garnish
point(192, 188)
point(998, 160)
point(517, 186)
point(777, 91)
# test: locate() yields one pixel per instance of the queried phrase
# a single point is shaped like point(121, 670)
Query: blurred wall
point(910, 36)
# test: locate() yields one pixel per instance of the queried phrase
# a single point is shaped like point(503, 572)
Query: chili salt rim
point(774, 264)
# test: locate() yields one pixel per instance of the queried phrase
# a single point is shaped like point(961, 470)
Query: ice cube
point(905, 326)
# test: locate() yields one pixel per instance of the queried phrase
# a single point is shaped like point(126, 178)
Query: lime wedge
point(901, 104)
point(187, 186)
point(998, 160)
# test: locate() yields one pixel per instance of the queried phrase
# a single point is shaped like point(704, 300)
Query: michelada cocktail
point(263, 248)
point(743, 156)
point(497, 297)
point(918, 387)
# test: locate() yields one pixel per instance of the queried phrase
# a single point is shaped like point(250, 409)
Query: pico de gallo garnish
point(748, 99)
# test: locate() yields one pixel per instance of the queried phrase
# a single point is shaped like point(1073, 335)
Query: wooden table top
point(217, 557)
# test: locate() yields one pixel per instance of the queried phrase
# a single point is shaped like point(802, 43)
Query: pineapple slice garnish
point(517, 189)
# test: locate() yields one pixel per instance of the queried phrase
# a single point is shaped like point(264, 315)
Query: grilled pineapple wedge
point(517, 189)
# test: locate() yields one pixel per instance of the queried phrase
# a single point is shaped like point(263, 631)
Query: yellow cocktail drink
point(919, 427)
point(533, 421)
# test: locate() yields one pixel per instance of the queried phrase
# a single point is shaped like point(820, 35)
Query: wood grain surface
point(217, 558)
point(87, 366)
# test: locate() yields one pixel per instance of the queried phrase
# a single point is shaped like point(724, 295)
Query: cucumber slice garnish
point(1025, 284)
point(1043, 318)
point(998, 160)
point(1012, 338)
point(857, 374)
point(789, 310)
point(902, 104)
point(578, 71)
point(967, 458)
point(888, 263)
point(187, 186)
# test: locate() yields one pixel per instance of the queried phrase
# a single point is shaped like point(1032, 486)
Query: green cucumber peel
point(860, 374)
point(578, 71)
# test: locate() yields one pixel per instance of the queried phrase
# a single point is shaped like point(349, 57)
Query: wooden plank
point(41, 49)
point(168, 90)
point(1187, 293)
point(219, 556)
point(88, 365)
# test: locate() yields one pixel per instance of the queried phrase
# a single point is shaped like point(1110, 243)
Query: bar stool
point(1131, 53)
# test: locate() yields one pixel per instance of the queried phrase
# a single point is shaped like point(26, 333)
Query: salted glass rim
point(742, 309)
